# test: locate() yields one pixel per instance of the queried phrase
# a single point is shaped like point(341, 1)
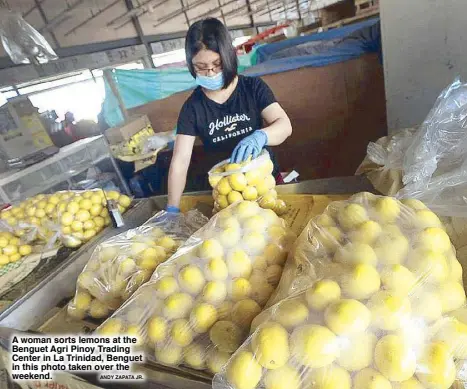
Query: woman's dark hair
point(211, 34)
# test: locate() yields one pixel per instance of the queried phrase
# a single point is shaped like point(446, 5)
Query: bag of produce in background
point(198, 306)
point(251, 180)
point(15, 243)
point(121, 264)
point(379, 313)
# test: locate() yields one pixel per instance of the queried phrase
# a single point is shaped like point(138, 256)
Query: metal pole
point(187, 20)
point(110, 80)
point(222, 12)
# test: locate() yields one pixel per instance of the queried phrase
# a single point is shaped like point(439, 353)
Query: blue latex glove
point(172, 209)
point(251, 145)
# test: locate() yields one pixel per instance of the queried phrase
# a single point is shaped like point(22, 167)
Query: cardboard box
point(123, 133)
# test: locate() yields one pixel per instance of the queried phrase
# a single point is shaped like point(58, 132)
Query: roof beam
point(137, 11)
point(46, 21)
point(211, 11)
point(174, 14)
point(61, 17)
point(187, 19)
point(222, 12)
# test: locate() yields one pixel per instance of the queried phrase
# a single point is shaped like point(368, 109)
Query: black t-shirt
point(221, 126)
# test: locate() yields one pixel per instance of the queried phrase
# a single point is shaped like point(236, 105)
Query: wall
point(424, 45)
point(335, 111)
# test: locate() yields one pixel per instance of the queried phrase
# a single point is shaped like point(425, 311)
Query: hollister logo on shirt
point(229, 124)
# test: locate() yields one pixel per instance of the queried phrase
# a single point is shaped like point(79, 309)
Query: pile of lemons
point(250, 180)
point(12, 249)
point(75, 216)
point(383, 315)
point(198, 306)
point(118, 267)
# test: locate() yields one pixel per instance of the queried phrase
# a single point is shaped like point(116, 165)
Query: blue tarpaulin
point(138, 87)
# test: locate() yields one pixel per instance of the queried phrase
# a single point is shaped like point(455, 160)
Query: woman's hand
point(251, 145)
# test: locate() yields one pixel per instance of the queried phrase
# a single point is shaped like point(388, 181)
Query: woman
point(226, 110)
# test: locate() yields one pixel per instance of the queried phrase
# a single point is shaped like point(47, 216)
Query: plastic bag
point(386, 280)
point(251, 181)
point(121, 264)
point(197, 308)
point(158, 141)
point(22, 42)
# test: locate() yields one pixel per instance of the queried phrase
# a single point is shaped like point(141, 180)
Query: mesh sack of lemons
point(12, 247)
point(381, 310)
point(251, 180)
point(78, 216)
point(121, 264)
point(198, 306)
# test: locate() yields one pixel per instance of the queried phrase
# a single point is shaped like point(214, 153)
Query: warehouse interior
point(322, 247)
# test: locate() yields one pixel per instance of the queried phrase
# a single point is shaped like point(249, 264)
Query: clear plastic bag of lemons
point(121, 264)
point(384, 306)
point(251, 180)
point(198, 306)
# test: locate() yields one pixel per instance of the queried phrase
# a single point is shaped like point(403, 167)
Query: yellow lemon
point(226, 336)
point(157, 329)
point(354, 253)
point(322, 293)
point(82, 300)
point(268, 201)
point(367, 232)
point(166, 242)
point(181, 333)
point(72, 207)
point(253, 176)
point(191, 279)
point(370, 379)
point(211, 248)
point(425, 218)
point(231, 167)
point(99, 222)
point(427, 305)
point(331, 377)
point(389, 311)
point(255, 223)
point(98, 310)
point(351, 216)
point(25, 250)
point(111, 327)
point(254, 242)
point(216, 360)
point(85, 204)
point(452, 296)
point(177, 305)
point(66, 219)
point(124, 201)
point(4, 260)
point(357, 351)
point(240, 289)
point(234, 196)
point(222, 201)
point(411, 383)
point(439, 369)
point(229, 222)
point(246, 209)
point(270, 344)
point(214, 292)
point(194, 356)
point(216, 269)
point(95, 210)
point(223, 187)
point(203, 317)
point(394, 358)
point(285, 377)
point(398, 279)
point(239, 264)
point(429, 266)
point(10, 250)
point(229, 237)
point(434, 239)
point(250, 193)
point(361, 282)
point(314, 346)
point(262, 187)
point(14, 257)
point(347, 317)
point(243, 372)
point(214, 180)
point(274, 254)
point(169, 354)
point(244, 311)
point(329, 238)
point(291, 313)
point(387, 209)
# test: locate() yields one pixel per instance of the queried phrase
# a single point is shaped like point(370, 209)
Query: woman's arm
point(179, 167)
point(278, 123)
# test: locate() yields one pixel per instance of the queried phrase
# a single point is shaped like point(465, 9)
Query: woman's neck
point(222, 95)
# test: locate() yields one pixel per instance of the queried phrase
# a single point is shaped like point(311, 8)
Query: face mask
point(211, 83)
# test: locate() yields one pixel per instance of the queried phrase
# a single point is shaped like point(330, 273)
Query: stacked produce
point(12, 248)
point(381, 312)
point(197, 308)
point(251, 180)
point(135, 145)
point(73, 216)
point(121, 264)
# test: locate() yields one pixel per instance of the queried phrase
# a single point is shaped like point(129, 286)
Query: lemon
point(330, 377)
point(453, 333)
point(113, 195)
point(357, 351)
point(96, 199)
point(181, 333)
point(394, 358)
point(157, 329)
point(347, 317)
point(285, 377)
point(111, 327)
point(262, 187)
point(398, 279)
point(88, 234)
point(429, 266)
point(254, 242)
point(244, 311)
point(229, 222)
point(3, 242)
point(135, 331)
point(439, 369)
point(274, 254)
point(124, 201)
point(24, 250)
point(4, 260)
point(452, 296)
point(253, 177)
point(255, 223)
point(391, 248)
point(229, 237)
point(456, 270)
point(85, 204)
point(216, 360)
point(194, 356)
point(10, 250)
point(191, 279)
point(230, 167)
point(82, 300)
point(273, 274)
point(89, 225)
point(367, 232)
point(223, 187)
point(166, 242)
point(226, 336)
point(14, 257)
point(202, 317)
point(222, 201)
point(126, 266)
point(351, 216)
point(261, 292)
point(169, 354)
point(270, 344)
point(211, 248)
point(239, 264)
point(389, 311)
point(322, 293)
point(291, 313)
point(355, 253)
point(214, 180)
point(66, 219)
point(250, 193)
point(234, 196)
point(370, 379)
point(434, 239)
point(237, 181)
point(216, 269)
point(425, 218)
point(243, 371)
point(177, 305)
point(411, 383)
point(246, 209)
point(98, 310)
point(314, 346)
point(361, 282)
point(214, 292)
point(72, 207)
point(99, 222)
point(76, 226)
point(270, 181)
